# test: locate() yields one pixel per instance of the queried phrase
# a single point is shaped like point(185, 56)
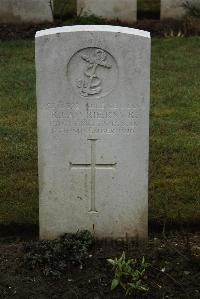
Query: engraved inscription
point(90, 118)
point(92, 72)
point(93, 166)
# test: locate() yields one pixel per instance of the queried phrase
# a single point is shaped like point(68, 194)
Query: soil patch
point(174, 270)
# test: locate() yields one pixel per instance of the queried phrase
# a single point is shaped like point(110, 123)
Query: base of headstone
point(26, 11)
point(118, 10)
point(174, 9)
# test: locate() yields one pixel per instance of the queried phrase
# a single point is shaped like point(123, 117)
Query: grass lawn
point(174, 144)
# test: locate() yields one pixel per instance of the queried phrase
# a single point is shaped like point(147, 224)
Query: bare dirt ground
point(174, 270)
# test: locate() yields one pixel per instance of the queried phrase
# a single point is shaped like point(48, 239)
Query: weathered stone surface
point(174, 9)
point(122, 10)
point(26, 11)
point(93, 130)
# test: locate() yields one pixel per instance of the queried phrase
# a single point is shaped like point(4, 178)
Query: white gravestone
point(26, 11)
point(122, 10)
point(93, 130)
point(174, 9)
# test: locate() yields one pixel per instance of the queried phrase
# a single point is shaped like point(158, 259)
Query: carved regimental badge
point(93, 72)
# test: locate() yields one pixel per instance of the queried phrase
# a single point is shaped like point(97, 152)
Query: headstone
point(26, 11)
point(122, 10)
point(93, 130)
point(174, 9)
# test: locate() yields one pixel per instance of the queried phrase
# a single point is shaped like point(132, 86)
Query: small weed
point(129, 274)
point(53, 257)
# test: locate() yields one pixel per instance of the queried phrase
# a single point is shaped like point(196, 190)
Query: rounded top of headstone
point(93, 28)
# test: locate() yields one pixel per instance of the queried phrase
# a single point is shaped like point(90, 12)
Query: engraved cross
point(93, 166)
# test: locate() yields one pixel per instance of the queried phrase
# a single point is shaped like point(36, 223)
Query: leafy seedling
point(129, 274)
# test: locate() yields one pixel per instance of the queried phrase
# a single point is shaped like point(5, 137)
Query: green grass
point(175, 127)
point(18, 146)
point(174, 143)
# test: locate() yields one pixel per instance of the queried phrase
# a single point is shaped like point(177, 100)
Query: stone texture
point(25, 11)
point(93, 130)
point(173, 9)
point(122, 10)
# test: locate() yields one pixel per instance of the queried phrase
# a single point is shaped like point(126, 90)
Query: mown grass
point(18, 143)
point(175, 128)
point(174, 143)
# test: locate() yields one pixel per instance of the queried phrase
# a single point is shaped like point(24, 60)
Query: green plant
point(129, 274)
point(53, 257)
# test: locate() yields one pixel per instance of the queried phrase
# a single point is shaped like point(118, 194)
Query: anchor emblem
point(90, 83)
